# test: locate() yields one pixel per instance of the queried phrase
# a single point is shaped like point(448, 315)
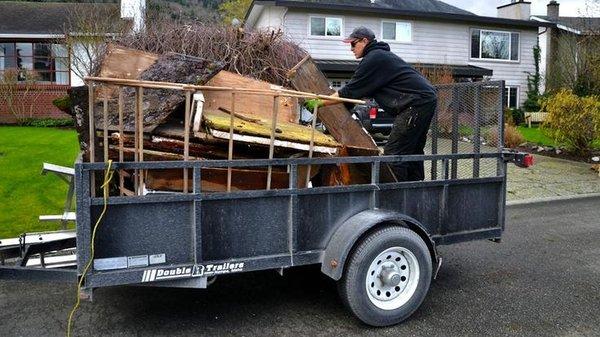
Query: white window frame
point(508, 89)
point(397, 22)
point(518, 60)
point(325, 37)
point(60, 59)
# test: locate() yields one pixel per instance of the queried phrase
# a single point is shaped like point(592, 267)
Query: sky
point(538, 7)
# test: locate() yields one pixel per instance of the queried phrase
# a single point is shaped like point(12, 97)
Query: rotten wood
point(339, 122)
point(240, 116)
point(215, 179)
point(152, 155)
point(336, 118)
point(208, 151)
point(162, 101)
point(292, 72)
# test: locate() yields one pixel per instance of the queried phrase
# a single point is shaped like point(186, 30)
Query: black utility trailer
point(377, 240)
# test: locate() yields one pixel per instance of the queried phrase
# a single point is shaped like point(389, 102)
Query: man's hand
point(310, 104)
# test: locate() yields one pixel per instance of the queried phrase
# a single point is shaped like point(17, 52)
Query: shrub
point(19, 92)
point(63, 103)
point(508, 117)
point(49, 122)
point(514, 116)
point(573, 121)
point(518, 116)
point(512, 137)
point(532, 104)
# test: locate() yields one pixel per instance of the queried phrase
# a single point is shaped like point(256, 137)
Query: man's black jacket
point(387, 78)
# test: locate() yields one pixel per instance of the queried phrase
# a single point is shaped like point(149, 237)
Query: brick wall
point(43, 103)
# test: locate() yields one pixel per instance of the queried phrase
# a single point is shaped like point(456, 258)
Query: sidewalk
point(550, 178)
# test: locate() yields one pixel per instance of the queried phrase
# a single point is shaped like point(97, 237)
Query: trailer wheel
point(387, 276)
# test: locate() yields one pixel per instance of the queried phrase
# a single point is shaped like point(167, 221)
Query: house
point(429, 33)
point(577, 29)
point(32, 38)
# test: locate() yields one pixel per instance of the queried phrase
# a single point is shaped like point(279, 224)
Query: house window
point(396, 31)
point(494, 45)
point(511, 97)
point(325, 26)
point(49, 61)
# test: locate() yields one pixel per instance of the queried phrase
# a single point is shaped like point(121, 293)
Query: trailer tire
point(387, 276)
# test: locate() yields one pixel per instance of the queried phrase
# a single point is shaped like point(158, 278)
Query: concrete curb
point(552, 199)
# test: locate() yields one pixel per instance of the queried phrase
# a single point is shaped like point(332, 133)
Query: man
point(400, 90)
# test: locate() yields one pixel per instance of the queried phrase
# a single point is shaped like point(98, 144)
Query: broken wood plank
point(272, 139)
point(278, 143)
point(124, 63)
point(186, 138)
point(176, 146)
point(159, 104)
point(152, 155)
point(215, 179)
point(217, 120)
point(336, 118)
point(251, 104)
point(230, 147)
point(122, 189)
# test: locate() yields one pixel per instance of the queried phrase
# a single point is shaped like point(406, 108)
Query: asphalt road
point(542, 280)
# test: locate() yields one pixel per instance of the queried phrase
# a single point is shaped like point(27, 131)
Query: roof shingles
point(585, 25)
point(44, 17)
point(430, 6)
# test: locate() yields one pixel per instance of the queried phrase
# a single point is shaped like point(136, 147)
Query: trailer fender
point(349, 232)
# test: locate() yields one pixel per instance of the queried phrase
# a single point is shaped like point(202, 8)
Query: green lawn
point(24, 192)
point(535, 135)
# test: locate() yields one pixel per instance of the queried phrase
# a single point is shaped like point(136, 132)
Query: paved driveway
point(543, 280)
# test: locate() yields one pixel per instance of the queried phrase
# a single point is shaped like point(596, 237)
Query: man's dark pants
point(408, 136)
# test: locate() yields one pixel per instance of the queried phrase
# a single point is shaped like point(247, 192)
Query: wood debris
point(192, 110)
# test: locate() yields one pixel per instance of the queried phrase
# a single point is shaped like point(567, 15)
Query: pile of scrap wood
point(149, 107)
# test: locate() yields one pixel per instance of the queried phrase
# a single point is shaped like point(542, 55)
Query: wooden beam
point(183, 86)
point(230, 148)
point(312, 141)
point(186, 136)
point(92, 139)
point(121, 136)
point(105, 128)
point(336, 118)
point(272, 142)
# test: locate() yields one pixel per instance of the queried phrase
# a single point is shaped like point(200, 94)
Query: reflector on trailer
point(373, 113)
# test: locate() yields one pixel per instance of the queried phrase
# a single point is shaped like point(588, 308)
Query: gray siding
point(271, 18)
point(432, 42)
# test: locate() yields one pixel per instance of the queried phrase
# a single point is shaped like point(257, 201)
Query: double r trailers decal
point(163, 274)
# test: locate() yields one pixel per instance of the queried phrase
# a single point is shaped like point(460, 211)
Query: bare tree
point(20, 93)
point(264, 55)
point(86, 36)
point(576, 57)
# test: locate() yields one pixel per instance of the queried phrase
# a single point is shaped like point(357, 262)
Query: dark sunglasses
point(353, 43)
